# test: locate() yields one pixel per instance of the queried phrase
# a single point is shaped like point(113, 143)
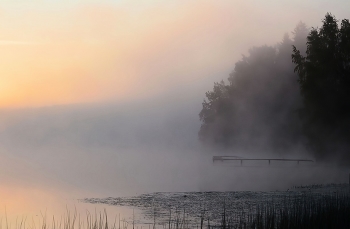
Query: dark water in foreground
point(194, 208)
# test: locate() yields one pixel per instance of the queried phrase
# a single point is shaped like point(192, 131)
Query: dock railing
point(235, 158)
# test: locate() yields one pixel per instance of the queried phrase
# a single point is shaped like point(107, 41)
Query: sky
point(68, 52)
point(102, 96)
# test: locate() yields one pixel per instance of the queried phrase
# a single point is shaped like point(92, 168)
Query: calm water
point(51, 183)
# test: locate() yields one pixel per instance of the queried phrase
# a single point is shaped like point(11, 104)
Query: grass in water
point(306, 212)
point(329, 211)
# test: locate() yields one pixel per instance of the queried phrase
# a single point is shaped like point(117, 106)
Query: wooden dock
point(235, 158)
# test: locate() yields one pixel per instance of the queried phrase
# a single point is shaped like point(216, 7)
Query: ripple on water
point(194, 206)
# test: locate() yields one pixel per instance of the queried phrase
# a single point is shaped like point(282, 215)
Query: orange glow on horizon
point(86, 53)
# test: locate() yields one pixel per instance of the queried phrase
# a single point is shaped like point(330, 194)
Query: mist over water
point(113, 150)
point(104, 101)
point(52, 157)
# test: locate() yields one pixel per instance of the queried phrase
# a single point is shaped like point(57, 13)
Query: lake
point(56, 186)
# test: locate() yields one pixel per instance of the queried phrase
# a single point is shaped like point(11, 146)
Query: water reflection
point(50, 181)
point(30, 198)
point(36, 194)
point(34, 207)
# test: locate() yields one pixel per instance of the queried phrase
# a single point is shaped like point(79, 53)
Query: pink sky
point(63, 53)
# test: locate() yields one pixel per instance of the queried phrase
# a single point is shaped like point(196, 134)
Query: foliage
point(258, 106)
point(324, 78)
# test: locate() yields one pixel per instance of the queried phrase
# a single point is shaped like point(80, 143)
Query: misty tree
point(300, 37)
point(324, 78)
point(257, 108)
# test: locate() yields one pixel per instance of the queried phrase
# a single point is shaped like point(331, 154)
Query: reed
point(307, 212)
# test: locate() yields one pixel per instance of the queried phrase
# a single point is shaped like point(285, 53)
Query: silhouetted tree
point(324, 78)
point(257, 108)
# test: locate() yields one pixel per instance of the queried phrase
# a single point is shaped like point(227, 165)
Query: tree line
point(283, 97)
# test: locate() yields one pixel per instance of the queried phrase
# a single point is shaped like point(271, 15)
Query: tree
point(324, 79)
point(257, 108)
point(215, 113)
point(300, 34)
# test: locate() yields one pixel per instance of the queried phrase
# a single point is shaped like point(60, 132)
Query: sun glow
point(91, 53)
point(61, 52)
